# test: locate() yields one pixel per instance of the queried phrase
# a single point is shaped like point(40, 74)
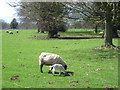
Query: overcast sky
point(7, 13)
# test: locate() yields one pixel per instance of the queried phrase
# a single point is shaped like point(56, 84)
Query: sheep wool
point(10, 32)
point(50, 59)
point(57, 67)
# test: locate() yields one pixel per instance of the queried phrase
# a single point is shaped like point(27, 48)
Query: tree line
point(54, 16)
point(12, 25)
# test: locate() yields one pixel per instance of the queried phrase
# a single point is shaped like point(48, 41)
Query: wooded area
point(55, 17)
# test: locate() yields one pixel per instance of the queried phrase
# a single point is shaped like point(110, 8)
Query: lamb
point(10, 32)
point(57, 67)
point(50, 59)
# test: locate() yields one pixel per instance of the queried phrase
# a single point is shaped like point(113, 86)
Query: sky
point(7, 13)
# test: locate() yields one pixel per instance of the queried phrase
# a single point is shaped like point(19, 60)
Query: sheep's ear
point(51, 67)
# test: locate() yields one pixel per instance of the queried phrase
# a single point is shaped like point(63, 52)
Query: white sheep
point(100, 32)
point(17, 31)
point(50, 59)
point(10, 32)
point(57, 67)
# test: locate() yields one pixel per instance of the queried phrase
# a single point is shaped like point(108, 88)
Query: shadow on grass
point(68, 73)
point(78, 37)
point(64, 37)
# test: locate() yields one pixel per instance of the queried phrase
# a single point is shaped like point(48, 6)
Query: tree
point(3, 24)
point(110, 10)
point(106, 12)
point(52, 18)
point(49, 16)
point(29, 11)
point(14, 24)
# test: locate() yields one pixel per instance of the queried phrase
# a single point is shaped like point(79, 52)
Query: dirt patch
point(15, 77)
point(64, 37)
point(40, 37)
point(111, 47)
point(73, 81)
point(78, 37)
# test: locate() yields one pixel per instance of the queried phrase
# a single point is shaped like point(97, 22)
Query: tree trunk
point(96, 28)
point(108, 34)
point(39, 28)
point(52, 34)
point(42, 31)
point(108, 29)
point(115, 33)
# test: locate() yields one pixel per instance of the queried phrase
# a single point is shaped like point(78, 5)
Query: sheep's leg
point(41, 66)
point(53, 72)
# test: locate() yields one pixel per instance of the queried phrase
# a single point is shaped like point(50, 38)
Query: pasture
point(92, 68)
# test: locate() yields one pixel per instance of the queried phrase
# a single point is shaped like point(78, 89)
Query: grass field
point(92, 68)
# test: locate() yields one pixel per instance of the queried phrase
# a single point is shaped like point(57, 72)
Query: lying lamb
point(10, 32)
point(57, 67)
point(50, 59)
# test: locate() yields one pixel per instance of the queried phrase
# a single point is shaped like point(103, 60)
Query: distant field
point(92, 68)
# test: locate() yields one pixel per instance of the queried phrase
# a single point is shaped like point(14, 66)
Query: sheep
point(10, 32)
point(50, 59)
point(17, 31)
point(57, 67)
point(100, 32)
point(7, 31)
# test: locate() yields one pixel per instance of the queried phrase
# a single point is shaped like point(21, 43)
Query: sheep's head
point(65, 67)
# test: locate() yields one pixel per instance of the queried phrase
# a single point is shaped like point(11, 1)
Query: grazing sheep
point(17, 31)
point(10, 32)
point(7, 31)
point(50, 59)
point(57, 67)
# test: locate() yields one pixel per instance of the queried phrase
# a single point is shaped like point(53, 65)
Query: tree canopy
point(105, 12)
point(14, 24)
point(49, 16)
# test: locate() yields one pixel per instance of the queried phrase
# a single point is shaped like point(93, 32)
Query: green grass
point(0, 58)
point(82, 33)
point(20, 57)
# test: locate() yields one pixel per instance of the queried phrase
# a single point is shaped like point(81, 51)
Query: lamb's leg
point(53, 72)
point(60, 72)
point(41, 66)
